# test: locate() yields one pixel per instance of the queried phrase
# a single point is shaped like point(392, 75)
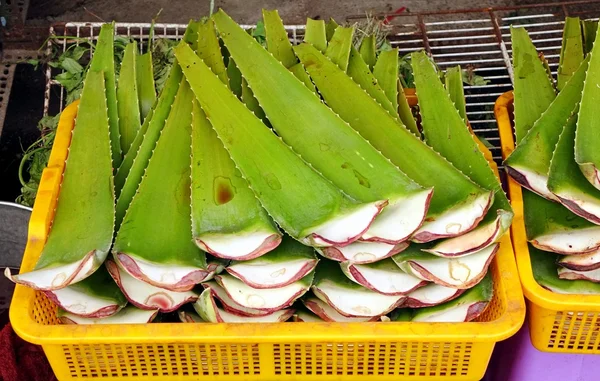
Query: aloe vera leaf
point(362, 252)
point(383, 277)
point(302, 75)
point(94, 297)
point(330, 27)
point(466, 307)
point(454, 86)
point(132, 169)
point(146, 296)
point(571, 52)
point(348, 298)
point(462, 273)
point(338, 50)
point(552, 227)
point(306, 206)
point(278, 42)
point(360, 73)
point(589, 28)
point(235, 78)
point(229, 304)
point(209, 50)
point(326, 313)
point(146, 89)
point(301, 315)
point(457, 203)
point(127, 98)
point(288, 263)
point(545, 273)
point(207, 309)
point(271, 300)
point(489, 230)
point(529, 163)
point(533, 88)
point(128, 315)
point(81, 233)
point(590, 275)
point(187, 314)
point(315, 34)
point(585, 262)
point(401, 315)
point(166, 258)
point(251, 102)
point(386, 72)
point(103, 61)
point(405, 112)
point(368, 51)
point(431, 295)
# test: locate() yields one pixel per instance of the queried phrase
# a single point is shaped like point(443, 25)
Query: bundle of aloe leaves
point(556, 159)
point(269, 182)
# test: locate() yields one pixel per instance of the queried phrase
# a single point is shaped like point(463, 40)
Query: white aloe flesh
point(585, 262)
point(384, 277)
point(94, 297)
point(339, 154)
point(272, 299)
point(288, 263)
point(326, 313)
point(128, 315)
point(165, 258)
point(348, 298)
point(431, 295)
point(304, 204)
point(206, 307)
point(83, 225)
point(529, 163)
point(457, 204)
point(362, 252)
point(146, 296)
point(229, 304)
point(461, 273)
point(591, 275)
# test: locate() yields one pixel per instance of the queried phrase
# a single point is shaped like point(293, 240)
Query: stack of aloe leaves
point(556, 161)
point(271, 182)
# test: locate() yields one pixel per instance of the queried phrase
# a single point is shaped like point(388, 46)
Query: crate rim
point(532, 290)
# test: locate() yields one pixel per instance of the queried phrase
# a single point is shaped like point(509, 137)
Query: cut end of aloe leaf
point(189, 317)
point(272, 274)
point(306, 317)
point(400, 219)
point(569, 242)
point(81, 304)
point(582, 204)
point(147, 296)
point(326, 313)
point(346, 228)
point(591, 173)
point(383, 277)
point(363, 252)
point(239, 246)
point(592, 275)
point(585, 262)
point(431, 295)
point(461, 313)
point(455, 221)
point(128, 315)
point(229, 304)
point(531, 180)
point(170, 277)
point(56, 278)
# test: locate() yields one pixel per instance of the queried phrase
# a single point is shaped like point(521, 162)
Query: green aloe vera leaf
point(366, 175)
point(229, 304)
point(552, 227)
point(315, 34)
point(571, 52)
point(127, 98)
point(327, 313)
point(278, 42)
point(585, 262)
point(454, 86)
point(431, 295)
point(589, 28)
point(386, 72)
point(587, 138)
point(96, 296)
point(209, 49)
point(590, 275)
point(304, 204)
point(446, 132)
point(359, 71)
point(533, 88)
point(338, 50)
point(235, 78)
point(146, 296)
point(568, 183)
point(251, 102)
point(348, 298)
point(82, 230)
point(206, 307)
point(127, 315)
point(455, 197)
point(146, 89)
point(166, 258)
point(305, 316)
point(330, 27)
point(405, 112)
point(545, 273)
point(362, 251)
point(287, 263)
point(462, 273)
point(401, 315)
point(529, 163)
point(368, 51)
point(466, 307)
point(302, 75)
point(103, 61)
point(383, 277)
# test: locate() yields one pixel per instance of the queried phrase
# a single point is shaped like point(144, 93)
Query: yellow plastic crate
point(280, 351)
point(557, 323)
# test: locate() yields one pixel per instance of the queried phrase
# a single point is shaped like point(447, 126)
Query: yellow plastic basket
point(557, 322)
point(281, 351)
